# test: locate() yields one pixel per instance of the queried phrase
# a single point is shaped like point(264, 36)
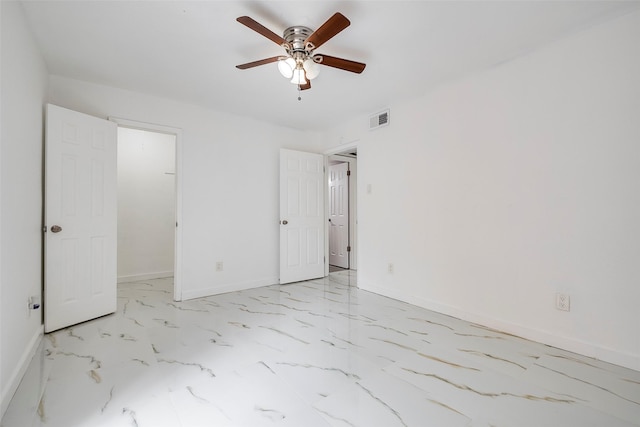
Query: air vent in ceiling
point(379, 119)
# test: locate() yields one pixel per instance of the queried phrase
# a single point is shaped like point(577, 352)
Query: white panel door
point(301, 216)
point(339, 215)
point(80, 218)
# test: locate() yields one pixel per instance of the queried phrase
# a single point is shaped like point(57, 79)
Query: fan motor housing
point(295, 37)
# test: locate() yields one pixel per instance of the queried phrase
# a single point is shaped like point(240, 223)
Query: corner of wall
point(24, 86)
point(12, 384)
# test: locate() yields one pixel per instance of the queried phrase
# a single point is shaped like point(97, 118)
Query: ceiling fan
point(301, 63)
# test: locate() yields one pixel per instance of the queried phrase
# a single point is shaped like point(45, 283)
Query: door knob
point(56, 229)
point(285, 222)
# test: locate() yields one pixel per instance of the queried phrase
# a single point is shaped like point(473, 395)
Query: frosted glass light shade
point(298, 77)
point(286, 67)
point(312, 68)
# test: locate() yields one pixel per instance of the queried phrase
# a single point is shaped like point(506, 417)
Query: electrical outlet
point(563, 302)
point(219, 266)
point(390, 268)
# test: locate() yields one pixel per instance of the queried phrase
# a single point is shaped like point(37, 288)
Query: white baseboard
point(146, 276)
point(20, 369)
point(616, 357)
point(223, 289)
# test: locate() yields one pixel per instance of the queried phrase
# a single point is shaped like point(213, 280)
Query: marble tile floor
point(311, 354)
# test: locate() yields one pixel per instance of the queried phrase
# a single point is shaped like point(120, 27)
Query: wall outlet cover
point(563, 302)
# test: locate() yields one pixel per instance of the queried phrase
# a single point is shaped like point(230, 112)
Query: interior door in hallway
point(80, 218)
point(339, 215)
point(301, 216)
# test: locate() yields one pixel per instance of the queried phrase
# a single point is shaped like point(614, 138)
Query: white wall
point(495, 192)
point(229, 182)
point(146, 204)
point(24, 86)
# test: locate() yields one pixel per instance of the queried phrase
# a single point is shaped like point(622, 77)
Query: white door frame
point(353, 205)
point(151, 127)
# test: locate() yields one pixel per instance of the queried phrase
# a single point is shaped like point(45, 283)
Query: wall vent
point(379, 119)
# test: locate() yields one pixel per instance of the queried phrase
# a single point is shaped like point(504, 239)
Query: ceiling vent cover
point(379, 119)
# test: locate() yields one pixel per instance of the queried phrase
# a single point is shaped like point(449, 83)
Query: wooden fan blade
point(343, 64)
point(333, 26)
point(260, 62)
point(261, 29)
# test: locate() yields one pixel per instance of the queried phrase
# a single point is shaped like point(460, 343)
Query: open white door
point(339, 215)
point(301, 216)
point(80, 218)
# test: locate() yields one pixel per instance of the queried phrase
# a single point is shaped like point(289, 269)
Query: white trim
point(147, 276)
point(626, 360)
point(177, 274)
point(134, 124)
point(20, 370)
point(353, 145)
point(223, 289)
point(326, 214)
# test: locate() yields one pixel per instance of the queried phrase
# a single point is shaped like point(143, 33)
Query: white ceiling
point(187, 50)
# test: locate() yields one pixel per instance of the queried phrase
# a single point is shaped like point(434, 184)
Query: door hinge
point(44, 229)
point(348, 173)
point(348, 248)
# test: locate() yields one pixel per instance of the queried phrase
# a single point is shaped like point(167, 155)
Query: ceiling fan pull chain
point(299, 97)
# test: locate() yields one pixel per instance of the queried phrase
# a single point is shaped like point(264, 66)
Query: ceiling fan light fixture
point(301, 64)
point(311, 68)
point(286, 67)
point(298, 77)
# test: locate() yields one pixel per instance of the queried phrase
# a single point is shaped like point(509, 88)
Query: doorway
point(148, 203)
point(339, 247)
point(342, 210)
